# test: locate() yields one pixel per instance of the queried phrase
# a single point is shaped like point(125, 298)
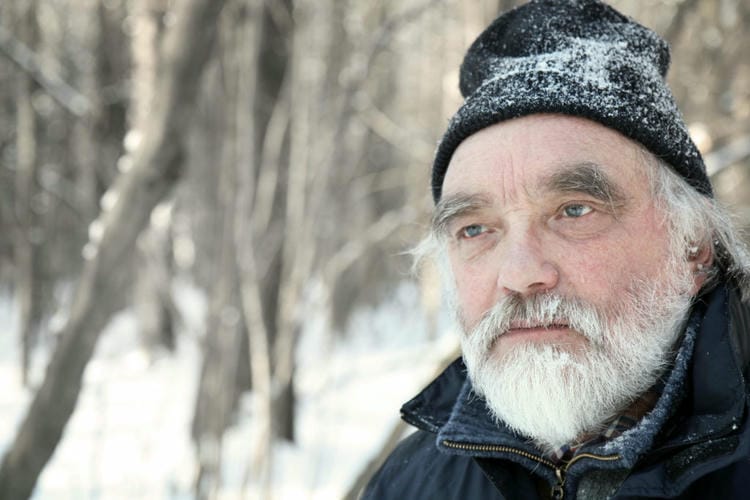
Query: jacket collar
point(716, 396)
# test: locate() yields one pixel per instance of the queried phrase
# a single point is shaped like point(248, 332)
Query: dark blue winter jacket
point(694, 444)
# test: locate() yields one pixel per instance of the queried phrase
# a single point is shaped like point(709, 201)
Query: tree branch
point(25, 58)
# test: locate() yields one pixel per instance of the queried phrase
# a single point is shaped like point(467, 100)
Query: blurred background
point(204, 209)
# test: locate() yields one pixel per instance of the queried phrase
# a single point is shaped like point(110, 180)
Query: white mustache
point(538, 311)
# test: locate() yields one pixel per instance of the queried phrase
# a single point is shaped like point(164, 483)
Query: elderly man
point(597, 282)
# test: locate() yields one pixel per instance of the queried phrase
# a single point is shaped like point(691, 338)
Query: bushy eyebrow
point(585, 178)
point(457, 205)
point(588, 179)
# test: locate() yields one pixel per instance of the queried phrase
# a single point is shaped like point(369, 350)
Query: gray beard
point(555, 395)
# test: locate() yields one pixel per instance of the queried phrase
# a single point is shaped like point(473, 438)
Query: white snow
point(129, 437)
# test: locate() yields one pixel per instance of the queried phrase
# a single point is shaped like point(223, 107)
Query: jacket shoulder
point(416, 469)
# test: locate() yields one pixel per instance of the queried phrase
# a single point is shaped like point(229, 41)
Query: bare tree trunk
point(217, 392)
point(249, 169)
point(148, 18)
point(298, 250)
point(89, 131)
point(219, 387)
point(27, 241)
point(155, 168)
point(153, 275)
point(152, 290)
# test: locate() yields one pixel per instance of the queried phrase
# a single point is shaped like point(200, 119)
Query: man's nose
point(525, 267)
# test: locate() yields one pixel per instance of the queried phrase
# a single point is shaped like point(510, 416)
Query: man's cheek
point(474, 298)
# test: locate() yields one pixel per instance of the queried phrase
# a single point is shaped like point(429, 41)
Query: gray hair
point(693, 220)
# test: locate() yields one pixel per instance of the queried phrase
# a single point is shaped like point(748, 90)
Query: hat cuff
point(640, 108)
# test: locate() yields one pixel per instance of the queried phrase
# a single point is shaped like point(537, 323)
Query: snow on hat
point(575, 57)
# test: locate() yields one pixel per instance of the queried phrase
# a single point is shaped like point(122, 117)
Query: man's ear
point(700, 259)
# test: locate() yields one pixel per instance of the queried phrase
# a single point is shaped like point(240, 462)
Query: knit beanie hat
point(575, 57)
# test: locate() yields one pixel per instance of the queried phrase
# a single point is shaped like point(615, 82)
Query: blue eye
point(576, 210)
point(472, 231)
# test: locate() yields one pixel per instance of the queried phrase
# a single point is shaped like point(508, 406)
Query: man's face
point(551, 204)
point(544, 210)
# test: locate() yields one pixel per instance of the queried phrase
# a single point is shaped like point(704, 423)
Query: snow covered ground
point(129, 437)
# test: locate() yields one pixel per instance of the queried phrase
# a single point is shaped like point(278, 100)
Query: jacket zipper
point(558, 489)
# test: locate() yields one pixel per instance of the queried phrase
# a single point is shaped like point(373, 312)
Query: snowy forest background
point(204, 208)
